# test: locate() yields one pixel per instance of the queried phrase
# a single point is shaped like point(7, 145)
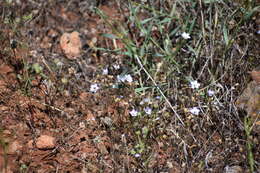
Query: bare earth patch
point(66, 105)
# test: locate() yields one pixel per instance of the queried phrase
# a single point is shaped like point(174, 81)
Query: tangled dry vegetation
point(129, 86)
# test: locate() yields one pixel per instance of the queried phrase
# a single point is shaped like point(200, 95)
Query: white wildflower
point(94, 88)
point(82, 125)
point(148, 110)
point(129, 78)
point(137, 155)
point(194, 111)
point(158, 97)
point(185, 35)
point(105, 71)
point(123, 78)
point(211, 93)
point(145, 100)
point(258, 32)
point(194, 84)
point(133, 113)
point(120, 78)
point(156, 119)
point(59, 63)
point(116, 66)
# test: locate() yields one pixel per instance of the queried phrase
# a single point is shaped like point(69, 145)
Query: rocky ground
point(70, 101)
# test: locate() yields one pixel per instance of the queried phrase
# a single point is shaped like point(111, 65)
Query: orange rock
point(45, 142)
point(4, 69)
point(2, 84)
point(233, 169)
point(174, 167)
point(71, 44)
point(256, 75)
point(84, 96)
point(90, 118)
point(4, 108)
point(45, 43)
point(30, 144)
point(14, 147)
point(249, 100)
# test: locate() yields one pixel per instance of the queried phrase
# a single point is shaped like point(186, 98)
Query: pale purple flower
point(194, 84)
point(129, 78)
point(120, 78)
point(94, 88)
point(194, 111)
point(158, 97)
point(133, 113)
point(145, 100)
point(116, 66)
point(185, 35)
point(105, 71)
point(125, 78)
point(148, 110)
point(137, 155)
point(211, 93)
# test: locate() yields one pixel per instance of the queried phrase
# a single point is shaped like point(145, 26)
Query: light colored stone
point(71, 44)
point(45, 142)
point(4, 69)
point(14, 147)
point(233, 169)
point(30, 144)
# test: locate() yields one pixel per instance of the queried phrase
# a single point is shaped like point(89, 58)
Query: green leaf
point(37, 68)
point(142, 51)
point(138, 90)
point(145, 21)
point(249, 14)
point(158, 55)
point(209, 1)
point(167, 19)
point(145, 131)
point(27, 17)
point(174, 31)
point(111, 36)
point(225, 32)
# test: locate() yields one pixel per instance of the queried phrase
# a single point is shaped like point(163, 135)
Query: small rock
point(249, 100)
point(7, 132)
point(45, 142)
point(30, 144)
point(71, 44)
point(46, 43)
point(174, 167)
point(52, 33)
point(102, 148)
point(14, 147)
point(90, 118)
point(4, 108)
point(84, 96)
point(4, 69)
point(2, 85)
point(233, 169)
